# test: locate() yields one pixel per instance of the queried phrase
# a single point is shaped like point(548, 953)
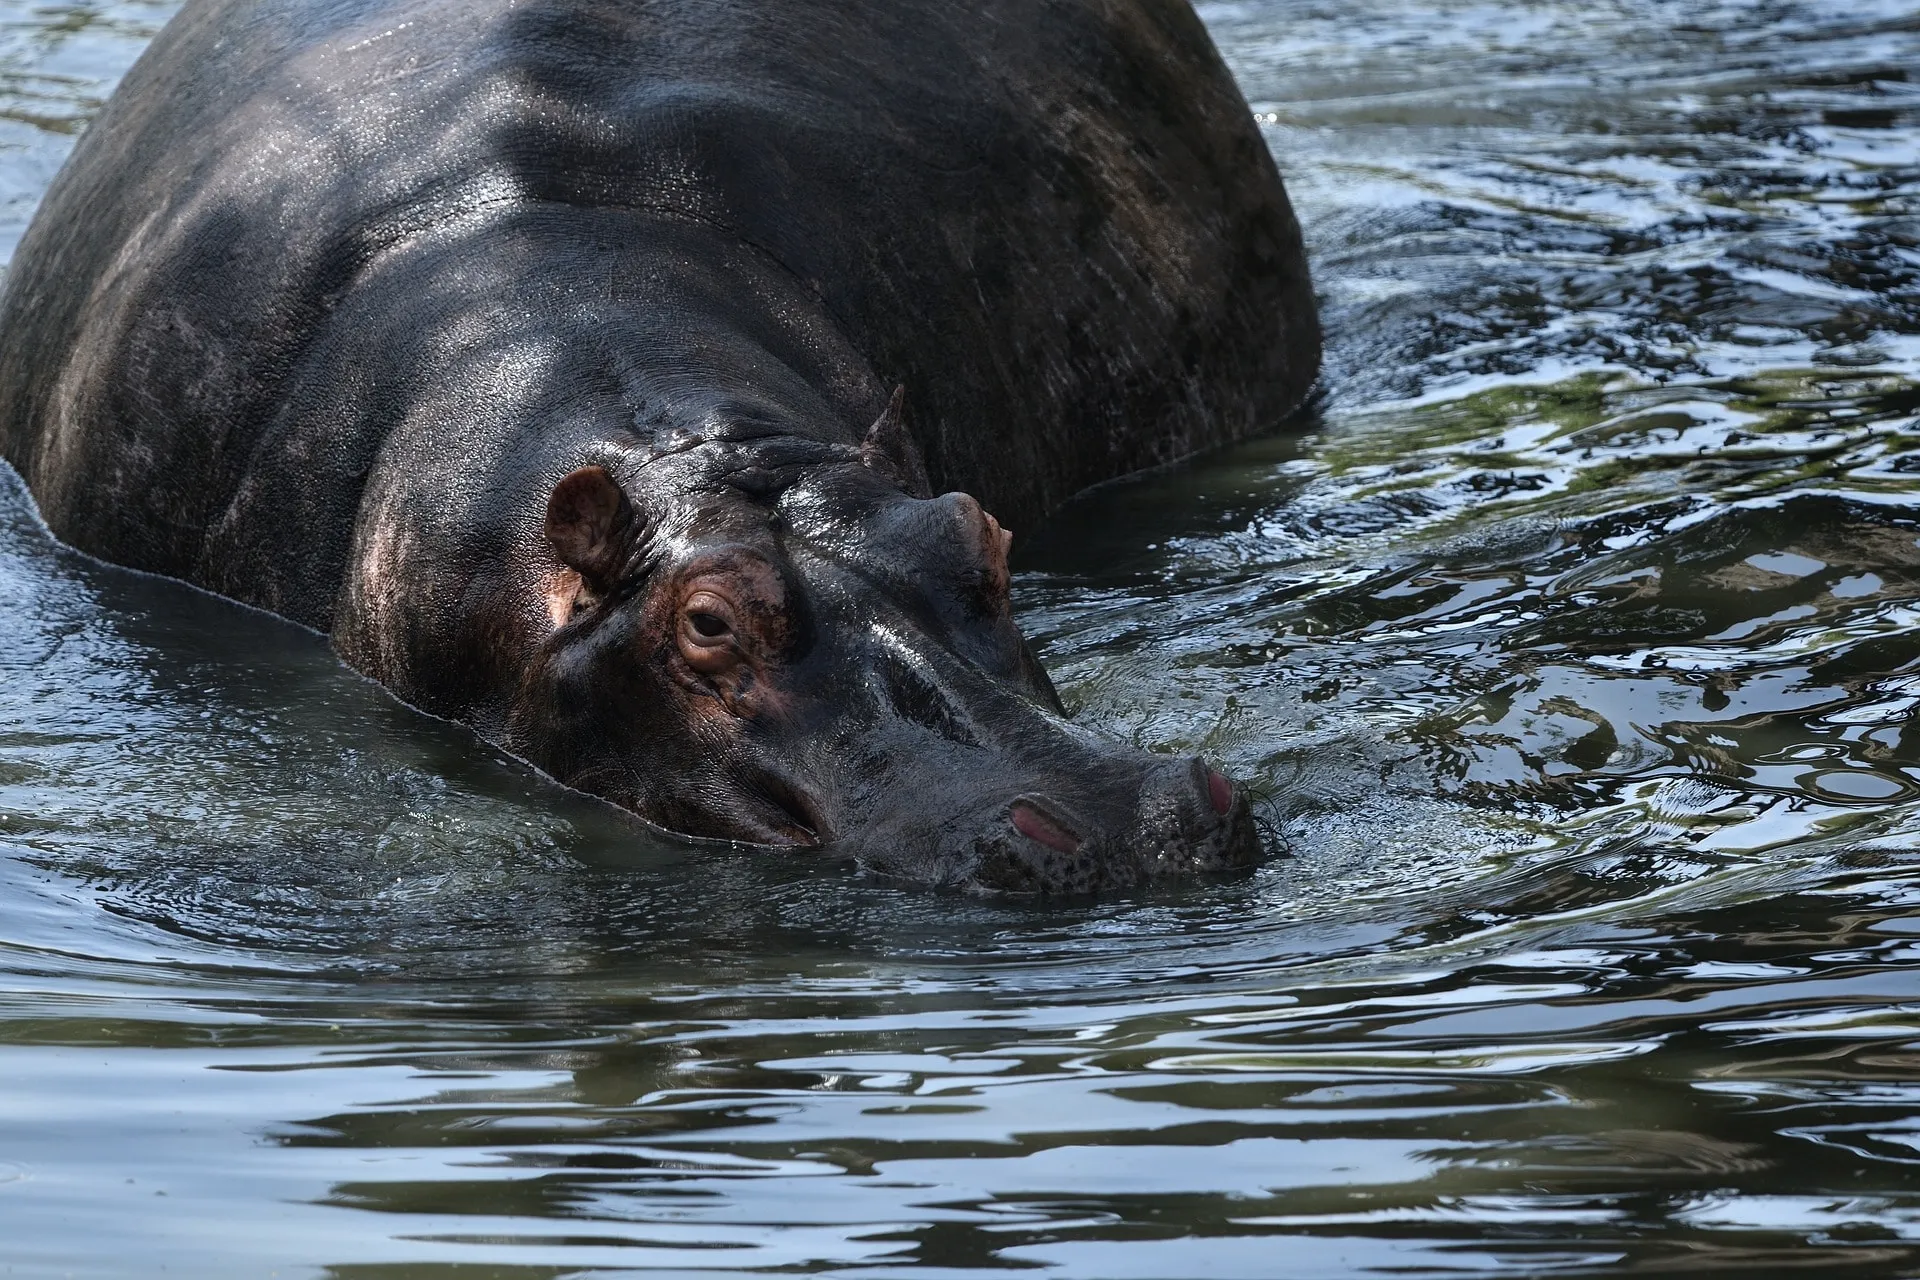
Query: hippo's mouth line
point(796, 821)
point(766, 811)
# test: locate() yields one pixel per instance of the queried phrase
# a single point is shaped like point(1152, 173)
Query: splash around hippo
point(550, 354)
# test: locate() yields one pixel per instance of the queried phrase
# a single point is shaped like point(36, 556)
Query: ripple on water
point(1570, 650)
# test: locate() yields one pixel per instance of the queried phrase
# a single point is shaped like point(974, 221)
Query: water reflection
point(1571, 650)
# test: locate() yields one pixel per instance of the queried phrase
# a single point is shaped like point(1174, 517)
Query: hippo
point(633, 381)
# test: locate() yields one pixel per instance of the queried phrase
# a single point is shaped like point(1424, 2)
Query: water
point(1574, 650)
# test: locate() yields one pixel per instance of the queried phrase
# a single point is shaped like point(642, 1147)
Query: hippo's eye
point(707, 639)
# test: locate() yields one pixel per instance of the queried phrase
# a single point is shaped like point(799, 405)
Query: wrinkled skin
point(831, 644)
point(544, 353)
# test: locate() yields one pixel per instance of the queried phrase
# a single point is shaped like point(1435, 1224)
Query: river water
point(1573, 649)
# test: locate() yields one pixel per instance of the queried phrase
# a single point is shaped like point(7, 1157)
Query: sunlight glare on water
point(1571, 648)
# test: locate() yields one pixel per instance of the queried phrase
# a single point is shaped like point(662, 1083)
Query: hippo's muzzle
point(1027, 802)
point(1188, 820)
point(835, 666)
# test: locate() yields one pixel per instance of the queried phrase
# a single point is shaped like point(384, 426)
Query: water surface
point(1573, 649)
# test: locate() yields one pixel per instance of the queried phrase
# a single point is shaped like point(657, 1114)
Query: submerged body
point(543, 353)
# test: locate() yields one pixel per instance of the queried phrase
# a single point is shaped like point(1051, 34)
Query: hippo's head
point(789, 643)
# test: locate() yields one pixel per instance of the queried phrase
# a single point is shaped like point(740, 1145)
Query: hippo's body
point(336, 296)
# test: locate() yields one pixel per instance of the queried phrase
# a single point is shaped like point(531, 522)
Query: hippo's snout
point(858, 685)
point(1189, 819)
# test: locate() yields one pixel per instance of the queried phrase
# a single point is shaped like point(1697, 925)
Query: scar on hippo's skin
point(564, 594)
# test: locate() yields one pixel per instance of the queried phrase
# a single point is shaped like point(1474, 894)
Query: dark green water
point(1576, 650)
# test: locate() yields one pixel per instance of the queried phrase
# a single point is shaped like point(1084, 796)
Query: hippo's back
point(1052, 220)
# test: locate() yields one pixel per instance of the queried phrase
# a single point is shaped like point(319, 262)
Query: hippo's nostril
point(1030, 822)
point(1219, 792)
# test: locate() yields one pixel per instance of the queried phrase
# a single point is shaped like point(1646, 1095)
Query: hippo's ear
point(890, 450)
point(591, 525)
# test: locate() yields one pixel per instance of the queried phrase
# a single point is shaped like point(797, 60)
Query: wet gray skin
point(1575, 657)
point(580, 434)
point(804, 656)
